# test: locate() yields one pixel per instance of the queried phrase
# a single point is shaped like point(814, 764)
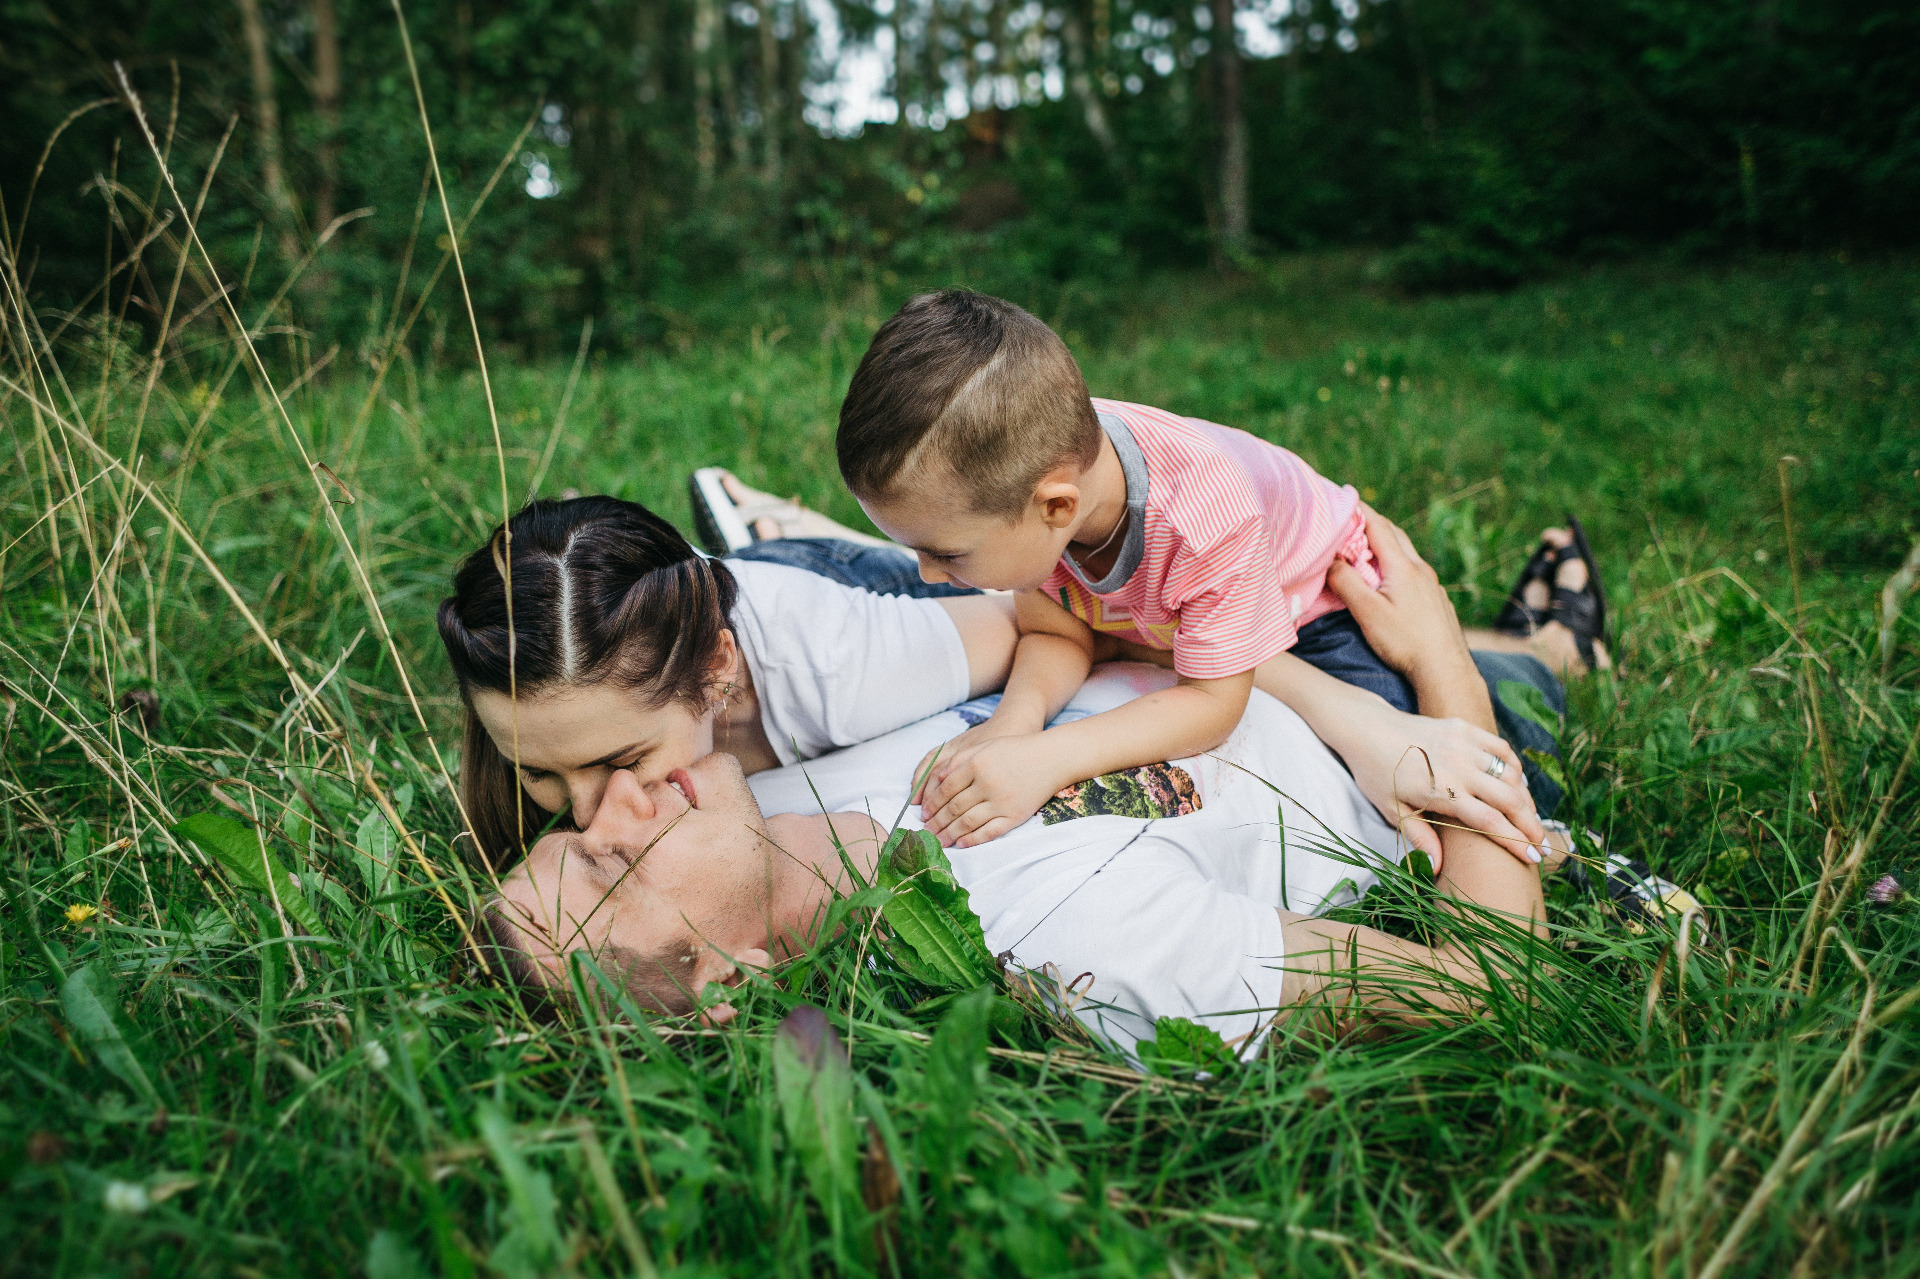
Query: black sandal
point(1584, 612)
point(1516, 616)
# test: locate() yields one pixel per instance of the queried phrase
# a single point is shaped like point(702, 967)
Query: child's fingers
point(991, 829)
point(950, 776)
point(944, 814)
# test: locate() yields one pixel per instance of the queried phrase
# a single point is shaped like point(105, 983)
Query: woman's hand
point(1420, 772)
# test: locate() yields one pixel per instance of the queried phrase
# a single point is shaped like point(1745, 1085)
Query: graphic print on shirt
point(1114, 620)
point(1151, 790)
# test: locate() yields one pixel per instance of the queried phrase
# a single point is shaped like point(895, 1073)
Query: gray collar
point(1133, 548)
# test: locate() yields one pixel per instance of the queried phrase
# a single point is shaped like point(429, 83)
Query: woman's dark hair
point(604, 591)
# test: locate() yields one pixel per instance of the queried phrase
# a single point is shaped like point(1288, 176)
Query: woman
point(624, 649)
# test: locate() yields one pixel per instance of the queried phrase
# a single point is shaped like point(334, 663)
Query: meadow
point(216, 618)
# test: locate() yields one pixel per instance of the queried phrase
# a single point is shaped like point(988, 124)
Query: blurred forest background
point(677, 160)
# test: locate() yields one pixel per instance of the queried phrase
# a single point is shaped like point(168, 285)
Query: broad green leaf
point(956, 1066)
point(390, 1257)
point(378, 849)
point(79, 843)
point(531, 1243)
point(93, 1010)
point(1182, 1047)
point(240, 849)
point(942, 943)
point(814, 1084)
point(1529, 703)
point(1550, 766)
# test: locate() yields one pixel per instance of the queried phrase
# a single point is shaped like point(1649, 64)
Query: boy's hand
point(987, 788)
point(936, 763)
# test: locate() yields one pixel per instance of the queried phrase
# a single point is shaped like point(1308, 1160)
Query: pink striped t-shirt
point(1228, 544)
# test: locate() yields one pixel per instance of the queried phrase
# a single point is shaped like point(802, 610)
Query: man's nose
point(621, 797)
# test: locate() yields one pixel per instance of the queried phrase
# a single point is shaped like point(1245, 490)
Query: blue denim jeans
point(884, 570)
point(1332, 643)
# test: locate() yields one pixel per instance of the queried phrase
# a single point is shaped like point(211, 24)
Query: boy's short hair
point(976, 382)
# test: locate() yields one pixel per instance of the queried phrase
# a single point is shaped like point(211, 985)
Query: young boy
point(968, 436)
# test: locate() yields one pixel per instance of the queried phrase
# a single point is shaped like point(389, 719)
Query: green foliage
point(1530, 703)
point(243, 852)
point(1182, 1047)
point(814, 1085)
point(93, 1010)
point(941, 943)
point(363, 1096)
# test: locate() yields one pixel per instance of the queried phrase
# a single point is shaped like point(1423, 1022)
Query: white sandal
point(725, 525)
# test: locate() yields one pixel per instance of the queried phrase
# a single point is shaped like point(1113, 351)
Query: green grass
point(364, 1099)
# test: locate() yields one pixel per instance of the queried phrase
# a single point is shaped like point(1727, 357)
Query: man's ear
point(1057, 497)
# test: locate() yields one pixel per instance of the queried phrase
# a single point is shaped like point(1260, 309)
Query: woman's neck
point(738, 729)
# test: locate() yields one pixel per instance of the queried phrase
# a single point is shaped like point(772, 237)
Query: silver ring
point(1496, 767)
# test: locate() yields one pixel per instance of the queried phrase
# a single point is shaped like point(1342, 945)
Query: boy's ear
point(1058, 499)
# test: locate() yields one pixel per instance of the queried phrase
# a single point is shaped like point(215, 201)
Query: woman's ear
point(727, 663)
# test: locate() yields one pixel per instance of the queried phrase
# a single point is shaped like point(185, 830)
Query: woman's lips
point(681, 780)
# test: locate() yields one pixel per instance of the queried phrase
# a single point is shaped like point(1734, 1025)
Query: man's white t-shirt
point(833, 665)
point(1163, 883)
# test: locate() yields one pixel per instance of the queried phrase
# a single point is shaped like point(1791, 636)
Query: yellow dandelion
point(80, 913)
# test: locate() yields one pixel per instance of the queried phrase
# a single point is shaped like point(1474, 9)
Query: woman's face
point(568, 739)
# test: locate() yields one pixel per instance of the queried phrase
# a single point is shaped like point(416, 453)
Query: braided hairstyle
point(604, 591)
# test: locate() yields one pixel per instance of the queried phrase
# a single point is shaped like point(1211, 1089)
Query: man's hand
point(988, 787)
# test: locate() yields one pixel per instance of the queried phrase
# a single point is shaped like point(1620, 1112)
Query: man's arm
point(1410, 622)
point(1050, 662)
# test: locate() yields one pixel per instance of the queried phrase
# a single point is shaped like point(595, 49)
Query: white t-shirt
point(1173, 914)
point(833, 665)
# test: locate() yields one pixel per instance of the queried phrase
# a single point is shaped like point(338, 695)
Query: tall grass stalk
point(290, 1058)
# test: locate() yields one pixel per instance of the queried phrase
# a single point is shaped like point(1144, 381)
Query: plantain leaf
point(942, 943)
point(93, 1009)
point(244, 853)
point(814, 1083)
point(1182, 1047)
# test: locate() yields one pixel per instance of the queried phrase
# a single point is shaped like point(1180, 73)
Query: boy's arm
point(991, 787)
point(1049, 666)
point(1050, 661)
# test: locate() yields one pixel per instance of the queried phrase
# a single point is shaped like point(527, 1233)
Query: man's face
point(682, 862)
point(931, 515)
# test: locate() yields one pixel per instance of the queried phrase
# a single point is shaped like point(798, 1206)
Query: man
point(1188, 888)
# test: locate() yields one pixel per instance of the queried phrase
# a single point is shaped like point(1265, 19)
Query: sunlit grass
point(196, 1091)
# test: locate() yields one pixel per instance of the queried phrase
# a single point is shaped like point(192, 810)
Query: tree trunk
point(772, 98)
point(266, 127)
point(729, 95)
point(1230, 126)
point(326, 105)
point(703, 140)
point(1080, 82)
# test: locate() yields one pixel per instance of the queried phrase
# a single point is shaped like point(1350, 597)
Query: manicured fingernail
point(1535, 855)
